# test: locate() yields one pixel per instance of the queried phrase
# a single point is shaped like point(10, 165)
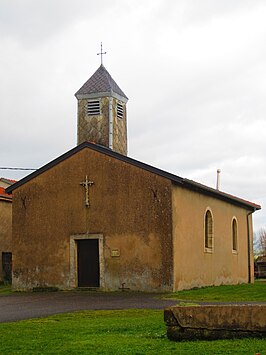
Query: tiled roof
point(100, 81)
point(4, 195)
point(8, 181)
point(186, 183)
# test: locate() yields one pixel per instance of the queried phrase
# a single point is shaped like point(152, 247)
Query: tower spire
point(101, 53)
point(102, 114)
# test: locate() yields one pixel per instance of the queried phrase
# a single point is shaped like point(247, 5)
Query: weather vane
point(101, 53)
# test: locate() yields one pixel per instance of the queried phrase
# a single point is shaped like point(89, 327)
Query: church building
point(94, 217)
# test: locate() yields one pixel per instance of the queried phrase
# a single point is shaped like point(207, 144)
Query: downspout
point(111, 123)
point(78, 142)
point(249, 266)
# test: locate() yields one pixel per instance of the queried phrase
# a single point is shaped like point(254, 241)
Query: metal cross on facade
point(101, 53)
point(87, 184)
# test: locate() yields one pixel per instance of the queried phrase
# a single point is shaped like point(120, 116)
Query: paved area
point(33, 305)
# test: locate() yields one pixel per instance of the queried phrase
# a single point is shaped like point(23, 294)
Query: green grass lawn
point(5, 289)
point(110, 332)
point(237, 293)
point(127, 331)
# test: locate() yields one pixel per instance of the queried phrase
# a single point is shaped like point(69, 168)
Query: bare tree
point(261, 239)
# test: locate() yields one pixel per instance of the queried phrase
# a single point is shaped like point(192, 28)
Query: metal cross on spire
point(101, 53)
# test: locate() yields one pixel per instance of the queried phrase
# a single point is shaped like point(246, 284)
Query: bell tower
point(102, 114)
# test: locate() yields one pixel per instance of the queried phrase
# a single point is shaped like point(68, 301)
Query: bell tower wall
point(102, 114)
point(93, 126)
point(103, 120)
point(119, 136)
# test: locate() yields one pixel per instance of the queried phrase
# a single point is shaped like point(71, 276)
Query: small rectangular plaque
point(115, 252)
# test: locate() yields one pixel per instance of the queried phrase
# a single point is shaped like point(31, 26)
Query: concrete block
point(215, 321)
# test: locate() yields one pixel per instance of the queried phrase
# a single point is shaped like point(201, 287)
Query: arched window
point(208, 230)
point(234, 234)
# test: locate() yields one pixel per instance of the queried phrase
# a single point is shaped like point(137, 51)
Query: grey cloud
point(32, 22)
point(192, 108)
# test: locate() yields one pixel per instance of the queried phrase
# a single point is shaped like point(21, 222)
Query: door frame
point(73, 257)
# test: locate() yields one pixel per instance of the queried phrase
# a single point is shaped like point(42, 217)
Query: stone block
point(215, 321)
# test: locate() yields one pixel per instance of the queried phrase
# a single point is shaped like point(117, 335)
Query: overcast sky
point(194, 72)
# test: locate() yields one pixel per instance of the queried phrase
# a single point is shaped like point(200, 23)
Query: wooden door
point(88, 263)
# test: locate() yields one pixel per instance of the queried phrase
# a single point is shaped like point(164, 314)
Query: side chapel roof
point(7, 181)
point(101, 81)
point(3, 195)
point(186, 183)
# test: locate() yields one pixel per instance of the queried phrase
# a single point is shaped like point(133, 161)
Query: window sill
point(208, 250)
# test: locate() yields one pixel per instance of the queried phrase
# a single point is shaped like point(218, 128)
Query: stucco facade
point(148, 226)
point(194, 265)
point(130, 213)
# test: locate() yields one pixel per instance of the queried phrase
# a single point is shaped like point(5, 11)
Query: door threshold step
point(93, 289)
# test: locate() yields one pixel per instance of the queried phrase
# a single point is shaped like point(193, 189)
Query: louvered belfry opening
point(120, 111)
point(93, 108)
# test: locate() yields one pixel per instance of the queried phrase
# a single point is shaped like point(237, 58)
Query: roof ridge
point(222, 193)
point(109, 77)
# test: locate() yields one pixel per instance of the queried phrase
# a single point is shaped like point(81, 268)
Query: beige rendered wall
point(129, 207)
point(5, 230)
point(193, 266)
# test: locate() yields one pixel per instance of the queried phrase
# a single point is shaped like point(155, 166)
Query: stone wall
point(93, 128)
point(119, 129)
point(96, 128)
